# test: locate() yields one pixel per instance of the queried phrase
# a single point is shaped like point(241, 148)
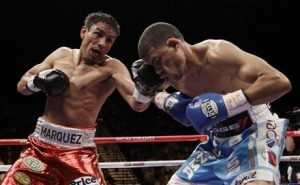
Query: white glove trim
point(236, 102)
point(141, 98)
point(30, 85)
point(44, 73)
point(160, 99)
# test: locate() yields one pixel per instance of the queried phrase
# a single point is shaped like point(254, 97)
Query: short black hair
point(156, 35)
point(95, 17)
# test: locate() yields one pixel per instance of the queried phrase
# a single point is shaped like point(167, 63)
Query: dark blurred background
point(32, 29)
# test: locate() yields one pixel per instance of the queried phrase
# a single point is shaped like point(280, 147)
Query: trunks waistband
point(237, 124)
point(262, 111)
point(64, 137)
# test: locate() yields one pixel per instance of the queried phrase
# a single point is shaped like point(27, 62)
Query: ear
point(173, 42)
point(83, 31)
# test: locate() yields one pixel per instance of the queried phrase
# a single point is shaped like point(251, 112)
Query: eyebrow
point(103, 31)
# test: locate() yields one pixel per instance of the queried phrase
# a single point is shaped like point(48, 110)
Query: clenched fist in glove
point(51, 81)
point(147, 82)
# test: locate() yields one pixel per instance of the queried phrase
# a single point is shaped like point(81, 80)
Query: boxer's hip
point(239, 123)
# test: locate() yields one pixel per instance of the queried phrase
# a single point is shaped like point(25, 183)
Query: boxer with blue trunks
point(222, 91)
point(253, 154)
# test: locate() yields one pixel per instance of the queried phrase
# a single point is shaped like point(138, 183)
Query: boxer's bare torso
point(89, 87)
point(93, 76)
point(90, 84)
point(216, 66)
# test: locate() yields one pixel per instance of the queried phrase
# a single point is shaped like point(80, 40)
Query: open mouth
point(96, 52)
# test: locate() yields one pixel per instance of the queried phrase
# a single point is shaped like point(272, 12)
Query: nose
point(101, 42)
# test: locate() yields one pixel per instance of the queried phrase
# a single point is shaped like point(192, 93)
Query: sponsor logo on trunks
point(22, 178)
point(61, 136)
point(227, 128)
point(235, 140)
point(233, 165)
point(271, 133)
point(209, 108)
point(195, 163)
point(33, 163)
point(86, 180)
point(270, 143)
point(270, 156)
point(246, 177)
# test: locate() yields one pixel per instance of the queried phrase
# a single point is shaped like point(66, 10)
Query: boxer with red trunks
point(77, 82)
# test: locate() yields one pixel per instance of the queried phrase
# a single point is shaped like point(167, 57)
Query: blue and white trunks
point(251, 155)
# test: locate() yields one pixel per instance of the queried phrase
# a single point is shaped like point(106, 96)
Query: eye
point(109, 40)
point(155, 61)
point(99, 34)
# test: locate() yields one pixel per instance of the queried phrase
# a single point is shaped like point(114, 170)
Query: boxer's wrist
point(160, 99)
point(139, 97)
point(236, 102)
point(30, 86)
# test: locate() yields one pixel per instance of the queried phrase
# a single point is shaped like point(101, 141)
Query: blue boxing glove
point(208, 109)
point(174, 104)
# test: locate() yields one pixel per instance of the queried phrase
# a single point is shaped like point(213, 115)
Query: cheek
point(108, 46)
point(87, 42)
point(180, 58)
point(176, 62)
point(180, 61)
point(84, 46)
